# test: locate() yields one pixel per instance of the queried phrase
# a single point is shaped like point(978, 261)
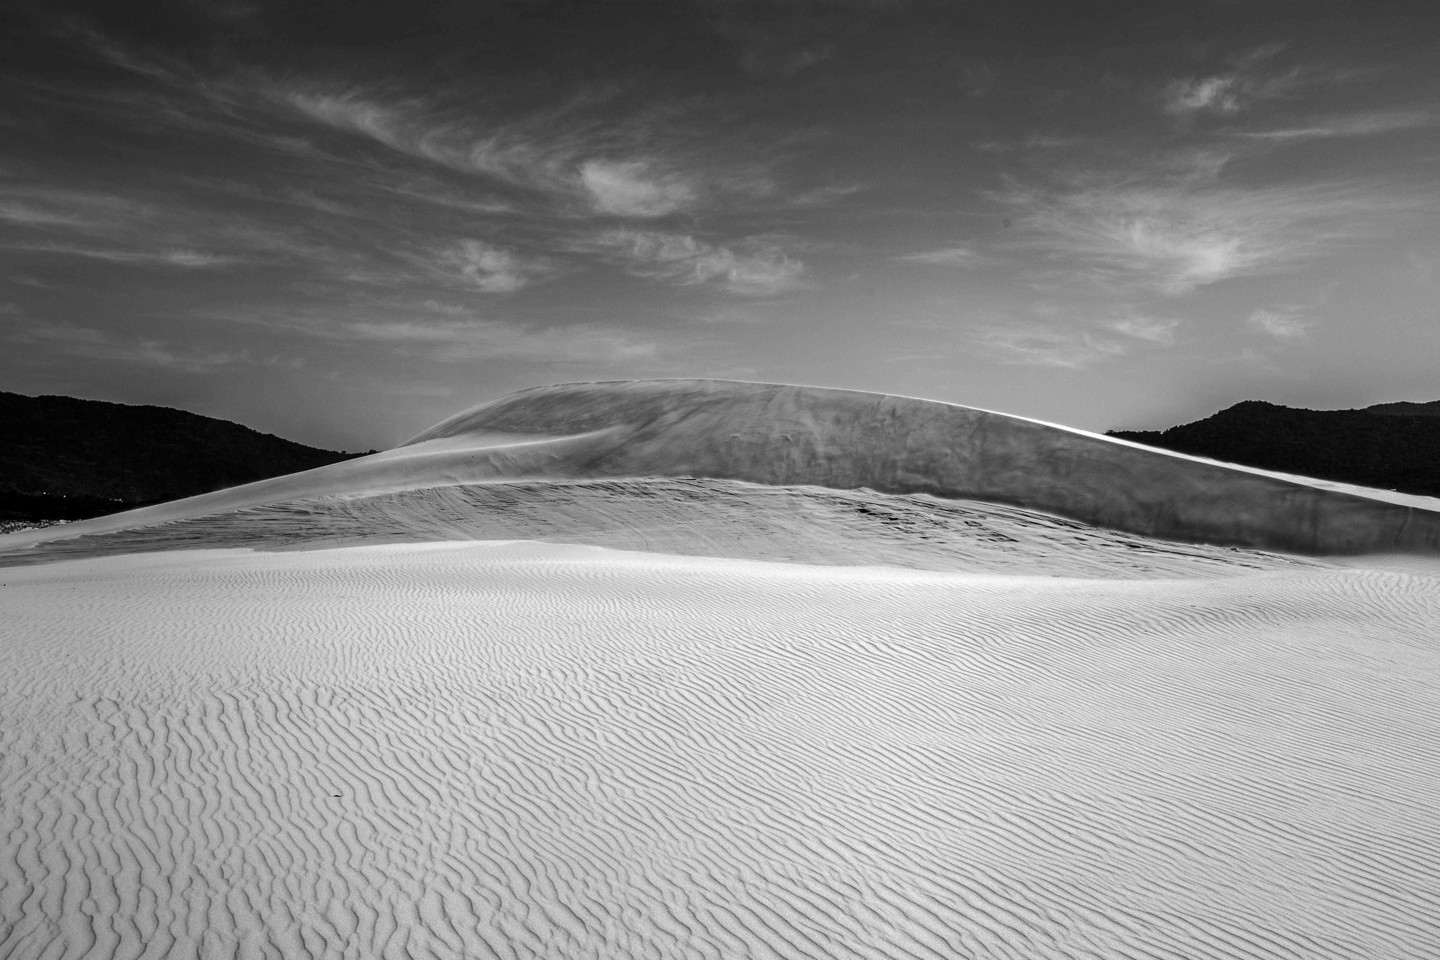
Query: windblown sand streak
point(525, 750)
point(697, 517)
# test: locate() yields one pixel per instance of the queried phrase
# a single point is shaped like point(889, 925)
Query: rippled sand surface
point(537, 750)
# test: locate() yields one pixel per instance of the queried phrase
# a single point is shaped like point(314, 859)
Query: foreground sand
point(537, 750)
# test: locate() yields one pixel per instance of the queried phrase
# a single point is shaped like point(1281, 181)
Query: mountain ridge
point(67, 458)
point(1389, 446)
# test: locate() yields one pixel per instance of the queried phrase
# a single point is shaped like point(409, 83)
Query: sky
point(343, 221)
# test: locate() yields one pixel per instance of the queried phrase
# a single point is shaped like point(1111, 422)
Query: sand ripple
point(481, 750)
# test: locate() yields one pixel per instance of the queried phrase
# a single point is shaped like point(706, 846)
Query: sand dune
point(956, 727)
point(784, 435)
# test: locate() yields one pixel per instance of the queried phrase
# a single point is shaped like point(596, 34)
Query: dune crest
point(793, 435)
point(778, 434)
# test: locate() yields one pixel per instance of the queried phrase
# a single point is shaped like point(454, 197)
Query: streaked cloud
point(590, 153)
point(1165, 234)
point(185, 259)
point(1230, 91)
point(135, 226)
point(469, 340)
point(390, 124)
point(1425, 265)
point(28, 215)
point(1356, 125)
point(760, 62)
point(452, 332)
point(1041, 345)
point(488, 268)
point(1281, 323)
point(1073, 335)
point(28, 200)
point(95, 344)
point(632, 189)
point(1219, 94)
point(958, 256)
point(751, 267)
point(1157, 330)
point(543, 152)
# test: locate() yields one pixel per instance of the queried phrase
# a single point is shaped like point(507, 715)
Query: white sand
point(526, 750)
point(956, 729)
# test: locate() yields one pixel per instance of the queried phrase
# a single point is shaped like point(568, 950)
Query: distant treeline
point(62, 458)
point(1393, 446)
point(39, 506)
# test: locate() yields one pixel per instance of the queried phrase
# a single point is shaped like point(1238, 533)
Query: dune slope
point(693, 517)
point(787, 435)
point(775, 434)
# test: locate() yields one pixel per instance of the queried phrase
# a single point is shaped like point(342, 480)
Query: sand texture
point(804, 709)
point(477, 750)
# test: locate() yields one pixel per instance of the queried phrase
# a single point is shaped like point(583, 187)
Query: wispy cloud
point(1038, 345)
point(1157, 330)
point(228, 12)
point(29, 215)
point(116, 53)
point(1355, 125)
point(543, 152)
point(1218, 94)
point(452, 333)
point(1035, 141)
point(757, 267)
point(778, 45)
point(1424, 265)
point(393, 124)
point(446, 331)
point(959, 256)
point(95, 344)
point(30, 202)
point(488, 268)
point(1141, 232)
point(590, 153)
point(632, 189)
point(1233, 90)
point(1072, 336)
point(760, 62)
point(193, 228)
point(186, 259)
point(464, 340)
point(1282, 323)
point(732, 314)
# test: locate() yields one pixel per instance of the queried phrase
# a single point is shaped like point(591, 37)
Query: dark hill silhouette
point(1393, 446)
point(1404, 408)
point(62, 458)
